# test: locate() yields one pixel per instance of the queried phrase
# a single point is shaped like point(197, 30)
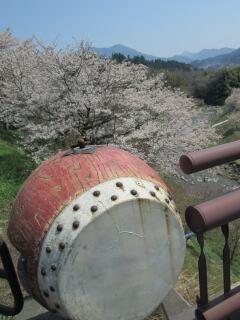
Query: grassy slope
point(214, 242)
point(14, 168)
point(230, 131)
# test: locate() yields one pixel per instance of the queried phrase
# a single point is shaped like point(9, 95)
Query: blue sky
point(157, 27)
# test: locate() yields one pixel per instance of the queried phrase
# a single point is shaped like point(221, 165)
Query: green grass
point(15, 166)
point(229, 131)
point(214, 242)
point(181, 197)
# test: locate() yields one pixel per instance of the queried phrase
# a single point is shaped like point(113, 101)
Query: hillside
point(188, 57)
point(126, 51)
point(228, 116)
point(207, 53)
point(185, 57)
point(229, 59)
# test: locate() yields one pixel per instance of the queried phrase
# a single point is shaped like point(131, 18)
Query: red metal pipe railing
point(213, 213)
point(210, 157)
point(210, 214)
point(224, 309)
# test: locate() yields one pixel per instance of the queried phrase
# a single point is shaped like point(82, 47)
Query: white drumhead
point(123, 261)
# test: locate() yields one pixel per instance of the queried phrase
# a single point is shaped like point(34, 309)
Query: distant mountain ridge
point(189, 57)
point(207, 53)
point(201, 59)
point(126, 51)
point(232, 58)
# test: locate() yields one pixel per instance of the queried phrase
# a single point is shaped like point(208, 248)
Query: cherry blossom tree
point(55, 96)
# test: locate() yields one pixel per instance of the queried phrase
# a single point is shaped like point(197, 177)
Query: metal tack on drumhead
point(152, 193)
point(75, 224)
point(59, 227)
point(94, 208)
point(43, 272)
point(96, 193)
point(119, 184)
point(76, 207)
point(53, 267)
point(61, 245)
point(134, 192)
point(48, 250)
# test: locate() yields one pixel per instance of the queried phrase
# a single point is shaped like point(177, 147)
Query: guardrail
point(207, 215)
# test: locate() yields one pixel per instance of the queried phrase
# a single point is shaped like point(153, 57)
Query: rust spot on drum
point(140, 184)
point(58, 188)
point(167, 223)
point(142, 212)
point(88, 176)
point(43, 175)
point(170, 244)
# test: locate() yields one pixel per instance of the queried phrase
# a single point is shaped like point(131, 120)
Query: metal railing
point(207, 215)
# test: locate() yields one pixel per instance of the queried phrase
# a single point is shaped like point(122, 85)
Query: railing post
point(226, 260)
point(202, 268)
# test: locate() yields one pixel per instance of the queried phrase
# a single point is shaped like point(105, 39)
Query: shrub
point(215, 86)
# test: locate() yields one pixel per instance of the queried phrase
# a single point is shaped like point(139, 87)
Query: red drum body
point(99, 235)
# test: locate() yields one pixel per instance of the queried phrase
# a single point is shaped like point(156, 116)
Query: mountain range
point(126, 51)
point(232, 58)
point(202, 59)
point(207, 53)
